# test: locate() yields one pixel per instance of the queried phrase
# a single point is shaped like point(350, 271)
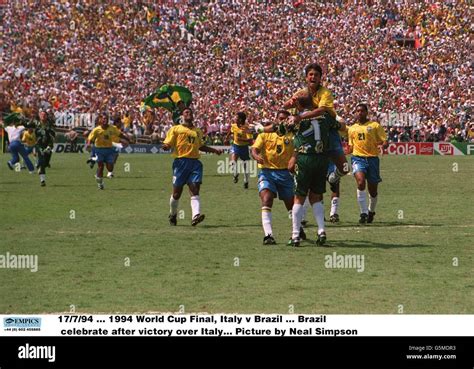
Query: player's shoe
point(334, 218)
point(302, 234)
point(304, 223)
point(100, 186)
point(43, 183)
point(110, 175)
point(198, 218)
point(246, 185)
point(173, 219)
point(321, 239)
point(269, 240)
point(294, 242)
point(370, 217)
point(363, 218)
point(236, 178)
point(10, 165)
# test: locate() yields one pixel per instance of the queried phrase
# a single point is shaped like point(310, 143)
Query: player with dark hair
point(272, 151)
point(186, 141)
point(364, 138)
point(45, 136)
point(242, 138)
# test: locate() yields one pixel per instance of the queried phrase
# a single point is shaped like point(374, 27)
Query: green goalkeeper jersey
point(312, 135)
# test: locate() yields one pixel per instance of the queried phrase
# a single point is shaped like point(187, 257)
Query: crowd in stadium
point(402, 57)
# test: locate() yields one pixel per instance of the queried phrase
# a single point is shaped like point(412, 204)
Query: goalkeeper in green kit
point(45, 136)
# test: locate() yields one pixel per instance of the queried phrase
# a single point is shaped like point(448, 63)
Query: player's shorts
point(105, 154)
point(29, 149)
point(242, 152)
point(186, 171)
point(335, 144)
point(368, 165)
point(279, 181)
point(311, 174)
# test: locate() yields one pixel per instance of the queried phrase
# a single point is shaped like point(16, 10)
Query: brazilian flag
point(168, 97)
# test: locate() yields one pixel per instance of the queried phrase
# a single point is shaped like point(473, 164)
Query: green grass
point(408, 261)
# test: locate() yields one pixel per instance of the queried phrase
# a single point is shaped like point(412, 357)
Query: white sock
point(318, 212)
point(173, 205)
point(42, 177)
point(290, 214)
point(305, 208)
point(267, 220)
point(195, 205)
point(233, 168)
point(99, 180)
point(334, 205)
point(362, 200)
point(246, 172)
point(296, 219)
point(372, 203)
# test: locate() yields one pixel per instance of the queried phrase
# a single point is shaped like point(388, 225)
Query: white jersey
point(14, 133)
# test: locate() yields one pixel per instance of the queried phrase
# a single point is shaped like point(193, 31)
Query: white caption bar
point(173, 325)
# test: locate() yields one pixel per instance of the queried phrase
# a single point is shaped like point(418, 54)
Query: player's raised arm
point(211, 150)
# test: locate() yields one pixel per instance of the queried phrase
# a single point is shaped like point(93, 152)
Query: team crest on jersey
point(287, 141)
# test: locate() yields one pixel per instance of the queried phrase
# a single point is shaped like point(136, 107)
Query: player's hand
point(292, 165)
point(218, 151)
point(258, 158)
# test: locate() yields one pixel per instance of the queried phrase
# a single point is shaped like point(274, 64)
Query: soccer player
point(323, 102)
point(29, 138)
point(242, 138)
point(15, 130)
point(45, 136)
point(186, 141)
point(364, 138)
point(103, 137)
point(272, 151)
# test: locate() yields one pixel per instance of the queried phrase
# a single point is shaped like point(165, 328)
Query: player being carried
point(364, 138)
point(272, 151)
point(103, 137)
point(242, 138)
point(186, 141)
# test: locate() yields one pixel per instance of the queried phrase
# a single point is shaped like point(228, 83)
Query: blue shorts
point(335, 144)
point(279, 181)
point(186, 171)
point(242, 152)
point(105, 155)
point(370, 166)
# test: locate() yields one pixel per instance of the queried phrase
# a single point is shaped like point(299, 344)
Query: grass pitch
point(85, 239)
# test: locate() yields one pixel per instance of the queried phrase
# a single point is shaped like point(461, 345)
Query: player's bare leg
point(372, 187)
point(316, 201)
point(174, 202)
point(267, 197)
point(342, 168)
point(361, 197)
point(233, 167)
point(197, 217)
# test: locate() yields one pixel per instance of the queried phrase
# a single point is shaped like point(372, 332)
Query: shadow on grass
point(365, 244)
point(377, 224)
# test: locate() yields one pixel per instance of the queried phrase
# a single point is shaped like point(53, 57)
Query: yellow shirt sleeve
point(258, 144)
point(92, 135)
point(170, 137)
point(382, 135)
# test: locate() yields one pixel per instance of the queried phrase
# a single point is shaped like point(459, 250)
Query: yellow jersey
point(275, 150)
point(365, 138)
point(323, 98)
point(103, 138)
point(185, 141)
point(240, 135)
point(29, 139)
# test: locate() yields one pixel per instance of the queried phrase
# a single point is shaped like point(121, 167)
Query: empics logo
point(37, 352)
point(21, 322)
